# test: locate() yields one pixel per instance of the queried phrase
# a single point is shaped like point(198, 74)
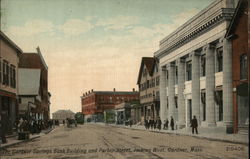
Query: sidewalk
point(214, 134)
point(13, 140)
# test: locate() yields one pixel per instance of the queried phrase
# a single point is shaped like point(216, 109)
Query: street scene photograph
point(124, 79)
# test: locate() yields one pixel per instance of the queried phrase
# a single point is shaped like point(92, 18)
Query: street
point(108, 142)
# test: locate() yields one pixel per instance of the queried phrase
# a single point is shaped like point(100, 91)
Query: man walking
point(194, 125)
point(172, 123)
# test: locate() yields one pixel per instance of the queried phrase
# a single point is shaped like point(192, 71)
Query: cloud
point(118, 22)
point(74, 27)
point(162, 30)
point(32, 27)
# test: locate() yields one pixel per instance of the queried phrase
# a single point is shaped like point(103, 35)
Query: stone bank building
point(196, 69)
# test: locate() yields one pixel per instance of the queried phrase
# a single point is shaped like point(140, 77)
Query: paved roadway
point(92, 141)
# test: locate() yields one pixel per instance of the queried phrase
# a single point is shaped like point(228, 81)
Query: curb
point(19, 142)
point(23, 141)
point(200, 137)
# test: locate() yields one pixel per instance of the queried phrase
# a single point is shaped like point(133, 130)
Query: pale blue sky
point(93, 44)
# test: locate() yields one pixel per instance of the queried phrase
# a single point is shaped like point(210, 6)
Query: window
point(218, 100)
point(157, 80)
point(176, 101)
point(5, 73)
point(12, 76)
point(188, 71)
point(219, 54)
point(203, 101)
point(144, 72)
point(243, 66)
point(176, 74)
point(203, 65)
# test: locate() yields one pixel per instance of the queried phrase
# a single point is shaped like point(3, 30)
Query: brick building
point(238, 34)
point(94, 103)
point(9, 59)
point(148, 82)
point(34, 96)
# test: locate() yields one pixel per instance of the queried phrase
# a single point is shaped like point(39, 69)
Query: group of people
point(156, 124)
point(69, 121)
point(153, 124)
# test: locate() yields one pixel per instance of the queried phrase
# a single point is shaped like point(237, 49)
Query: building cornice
point(198, 25)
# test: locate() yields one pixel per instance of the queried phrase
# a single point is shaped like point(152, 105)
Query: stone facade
point(196, 61)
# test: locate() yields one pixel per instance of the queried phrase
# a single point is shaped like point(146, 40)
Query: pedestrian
point(167, 122)
point(75, 123)
point(155, 124)
point(130, 122)
point(3, 128)
point(63, 122)
point(194, 125)
point(151, 121)
point(159, 123)
point(146, 123)
point(172, 123)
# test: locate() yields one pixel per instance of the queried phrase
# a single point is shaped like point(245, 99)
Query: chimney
point(114, 89)
point(89, 92)
point(133, 89)
point(92, 90)
point(86, 93)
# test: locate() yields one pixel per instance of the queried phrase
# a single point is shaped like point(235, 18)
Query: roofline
point(237, 10)
point(10, 42)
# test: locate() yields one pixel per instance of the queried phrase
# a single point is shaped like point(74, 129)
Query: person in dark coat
point(155, 124)
point(146, 123)
point(151, 121)
point(159, 123)
point(166, 124)
point(172, 123)
point(3, 128)
point(194, 125)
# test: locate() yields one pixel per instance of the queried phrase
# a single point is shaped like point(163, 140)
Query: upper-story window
point(243, 66)
point(203, 65)
point(188, 71)
point(5, 73)
point(219, 57)
point(157, 80)
point(176, 74)
point(144, 72)
point(12, 76)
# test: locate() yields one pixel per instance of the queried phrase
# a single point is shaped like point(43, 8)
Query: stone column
point(196, 85)
point(163, 95)
point(171, 90)
point(181, 100)
point(227, 84)
point(210, 85)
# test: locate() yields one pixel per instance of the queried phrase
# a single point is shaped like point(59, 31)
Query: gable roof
point(10, 42)
point(242, 5)
point(32, 60)
point(149, 62)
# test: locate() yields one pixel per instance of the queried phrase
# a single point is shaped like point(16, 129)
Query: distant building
point(238, 33)
point(33, 85)
point(63, 115)
point(148, 82)
point(94, 103)
point(9, 59)
point(124, 112)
